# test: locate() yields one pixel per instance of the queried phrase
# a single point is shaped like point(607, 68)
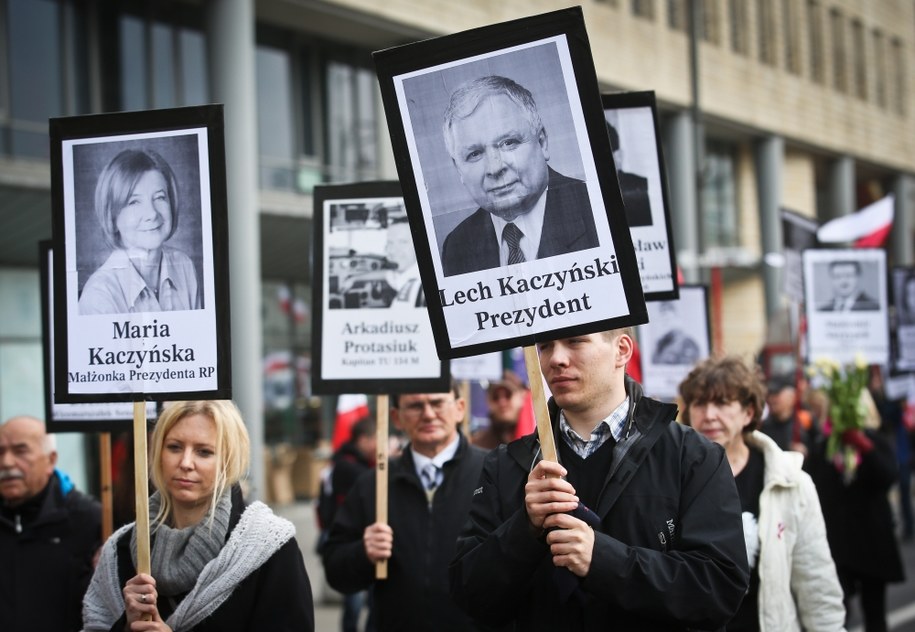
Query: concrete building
point(802, 104)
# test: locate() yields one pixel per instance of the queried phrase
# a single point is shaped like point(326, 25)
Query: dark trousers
point(873, 599)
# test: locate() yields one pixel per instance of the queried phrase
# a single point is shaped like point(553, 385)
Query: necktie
point(431, 476)
point(512, 236)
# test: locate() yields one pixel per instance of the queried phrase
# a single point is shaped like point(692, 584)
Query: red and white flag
point(350, 409)
point(868, 228)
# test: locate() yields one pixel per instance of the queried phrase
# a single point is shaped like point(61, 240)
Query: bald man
point(49, 533)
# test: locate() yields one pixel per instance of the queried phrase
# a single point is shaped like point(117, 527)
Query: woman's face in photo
point(145, 222)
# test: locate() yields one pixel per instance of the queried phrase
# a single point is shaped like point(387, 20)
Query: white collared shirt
point(420, 460)
point(531, 224)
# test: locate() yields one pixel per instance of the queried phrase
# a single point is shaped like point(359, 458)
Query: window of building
point(643, 9)
point(44, 71)
point(352, 143)
point(719, 196)
point(839, 62)
point(765, 31)
point(899, 75)
point(276, 140)
point(678, 15)
point(879, 68)
point(737, 18)
point(815, 40)
point(791, 36)
point(710, 24)
point(860, 59)
point(162, 64)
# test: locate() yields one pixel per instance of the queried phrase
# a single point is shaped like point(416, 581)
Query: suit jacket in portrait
point(863, 303)
point(568, 225)
point(635, 197)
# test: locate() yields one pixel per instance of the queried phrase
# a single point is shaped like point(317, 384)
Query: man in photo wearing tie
point(847, 295)
point(499, 145)
point(429, 491)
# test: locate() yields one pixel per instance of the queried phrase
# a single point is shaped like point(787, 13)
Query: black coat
point(414, 597)
point(859, 519)
point(669, 554)
point(45, 569)
point(275, 597)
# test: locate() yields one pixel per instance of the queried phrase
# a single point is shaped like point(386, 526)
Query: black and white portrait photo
point(675, 338)
point(138, 225)
point(903, 284)
point(632, 124)
point(372, 331)
point(845, 294)
point(497, 145)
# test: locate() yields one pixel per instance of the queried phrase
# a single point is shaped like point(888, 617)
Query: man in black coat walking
point(638, 527)
point(49, 533)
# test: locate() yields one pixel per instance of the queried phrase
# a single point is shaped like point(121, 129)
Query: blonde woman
point(216, 564)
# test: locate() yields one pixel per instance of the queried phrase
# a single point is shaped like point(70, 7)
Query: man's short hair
point(845, 262)
point(721, 381)
point(453, 389)
point(365, 427)
point(468, 96)
point(614, 137)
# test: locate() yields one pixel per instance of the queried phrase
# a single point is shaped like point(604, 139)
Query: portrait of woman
point(216, 563)
point(906, 308)
point(137, 208)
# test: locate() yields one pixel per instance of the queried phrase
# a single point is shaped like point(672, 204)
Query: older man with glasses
point(429, 492)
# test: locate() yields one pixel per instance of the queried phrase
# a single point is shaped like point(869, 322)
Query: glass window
point(765, 31)
point(899, 78)
point(274, 118)
point(815, 37)
point(133, 64)
point(719, 196)
point(194, 77)
point(163, 66)
point(643, 8)
point(35, 74)
point(352, 145)
point(791, 36)
point(839, 69)
point(709, 29)
point(738, 22)
point(857, 38)
point(677, 17)
point(879, 68)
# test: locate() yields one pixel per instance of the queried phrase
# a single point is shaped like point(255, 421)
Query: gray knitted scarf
point(257, 536)
point(178, 555)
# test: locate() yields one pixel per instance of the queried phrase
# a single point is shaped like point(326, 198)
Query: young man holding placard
point(429, 492)
point(639, 527)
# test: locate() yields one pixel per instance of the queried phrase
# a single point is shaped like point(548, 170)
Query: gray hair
point(468, 96)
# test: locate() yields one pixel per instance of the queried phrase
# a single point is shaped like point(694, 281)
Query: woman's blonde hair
point(232, 450)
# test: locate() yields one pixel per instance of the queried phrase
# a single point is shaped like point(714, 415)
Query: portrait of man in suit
point(633, 187)
point(847, 295)
point(527, 210)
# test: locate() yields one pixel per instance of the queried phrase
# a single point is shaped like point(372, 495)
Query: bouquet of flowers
point(846, 388)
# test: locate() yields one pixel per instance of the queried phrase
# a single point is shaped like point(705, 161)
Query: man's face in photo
point(399, 246)
point(501, 160)
point(844, 277)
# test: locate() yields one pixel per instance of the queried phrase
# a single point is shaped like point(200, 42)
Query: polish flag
point(299, 311)
point(350, 409)
point(868, 228)
point(526, 422)
point(284, 298)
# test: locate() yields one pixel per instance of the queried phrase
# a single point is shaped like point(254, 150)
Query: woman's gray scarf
point(257, 536)
point(178, 555)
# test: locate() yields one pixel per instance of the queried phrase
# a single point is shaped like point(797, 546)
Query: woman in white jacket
point(793, 583)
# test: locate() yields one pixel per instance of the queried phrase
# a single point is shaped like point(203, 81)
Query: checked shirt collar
point(611, 426)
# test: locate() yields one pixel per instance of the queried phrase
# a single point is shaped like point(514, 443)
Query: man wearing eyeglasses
point(429, 491)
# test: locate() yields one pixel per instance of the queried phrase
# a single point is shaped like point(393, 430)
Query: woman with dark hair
point(793, 582)
point(136, 204)
point(217, 564)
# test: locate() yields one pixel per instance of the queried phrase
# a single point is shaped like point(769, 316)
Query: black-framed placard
point(141, 236)
point(676, 337)
point(799, 233)
point(497, 135)
point(372, 333)
point(846, 304)
point(632, 122)
point(97, 417)
point(903, 286)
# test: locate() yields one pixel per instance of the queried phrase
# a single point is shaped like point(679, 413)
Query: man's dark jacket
point(45, 569)
point(635, 198)
point(414, 597)
point(669, 554)
point(568, 226)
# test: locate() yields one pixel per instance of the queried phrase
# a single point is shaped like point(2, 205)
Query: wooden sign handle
point(381, 473)
point(104, 451)
point(141, 485)
point(538, 399)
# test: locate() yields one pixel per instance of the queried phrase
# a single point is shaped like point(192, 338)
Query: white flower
point(751, 537)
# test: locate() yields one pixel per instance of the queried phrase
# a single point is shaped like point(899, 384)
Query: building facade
point(764, 104)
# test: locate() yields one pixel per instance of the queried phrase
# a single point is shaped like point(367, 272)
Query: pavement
point(900, 597)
